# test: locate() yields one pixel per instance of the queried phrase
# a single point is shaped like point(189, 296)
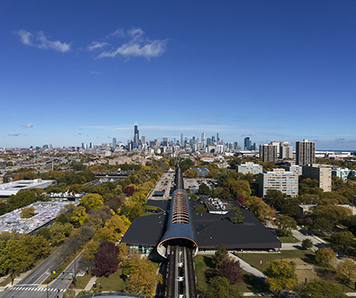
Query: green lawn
point(249, 284)
point(254, 258)
point(82, 281)
point(288, 239)
point(113, 283)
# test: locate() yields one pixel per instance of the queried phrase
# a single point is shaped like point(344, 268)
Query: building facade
point(268, 153)
point(278, 179)
point(305, 153)
point(285, 150)
point(320, 172)
point(249, 168)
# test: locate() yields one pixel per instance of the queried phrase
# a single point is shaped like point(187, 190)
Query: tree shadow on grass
point(209, 272)
point(255, 284)
point(309, 258)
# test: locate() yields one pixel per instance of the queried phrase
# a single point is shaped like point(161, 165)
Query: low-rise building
point(343, 173)
point(249, 168)
point(12, 188)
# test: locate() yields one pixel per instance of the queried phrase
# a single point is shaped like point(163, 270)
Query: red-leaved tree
point(106, 259)
point(240, 198)
point(129, 190)
point(231, 270)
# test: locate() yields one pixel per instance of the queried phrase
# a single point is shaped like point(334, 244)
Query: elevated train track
point(180, 248)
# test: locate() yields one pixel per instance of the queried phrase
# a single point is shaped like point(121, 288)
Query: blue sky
point(86, 71)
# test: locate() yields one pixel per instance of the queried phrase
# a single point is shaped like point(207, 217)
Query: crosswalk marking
point(36, 289)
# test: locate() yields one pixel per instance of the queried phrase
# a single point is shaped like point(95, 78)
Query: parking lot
point(163, 187)
point(193, 184)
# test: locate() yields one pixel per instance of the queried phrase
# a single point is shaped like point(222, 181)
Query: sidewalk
point(90, 283)
point(247, 267)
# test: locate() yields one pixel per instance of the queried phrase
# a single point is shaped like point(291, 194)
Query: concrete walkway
point(247, 267)
point(90, 283)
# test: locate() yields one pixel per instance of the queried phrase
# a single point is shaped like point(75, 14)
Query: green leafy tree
point(191, 173)
point(317, 288)
point(281, 275)
point(238, 218)
point(343, 240)
point(307, 244)
point(92, 201)
point(346, 271)
point(220, 255)
point(204, 189)
point(285, 224)
point(325, 257)
point(259, 208)
point(220, 287)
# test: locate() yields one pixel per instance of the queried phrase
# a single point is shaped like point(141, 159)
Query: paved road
point(30, 286)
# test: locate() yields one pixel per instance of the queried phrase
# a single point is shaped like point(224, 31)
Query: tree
point(28, 212)
point(321, 225)
point(88, 255)
point(346, 271)
point(78, 216)
point(343, 240)
point(281, 275)
point(106, 259)
point(200, 208)
point(307, 244)
point(317, 288)
point(129, 190)
point(238, 218)
point(142, 275)
point(204, 189)
point(92, 201)
point(258, 208)
point(240, 199)
point(285, 224)
point(191, 173)
point(220, 255)
point(221, 287)
point(325, 257)
point(119, 224)
point(231, 270)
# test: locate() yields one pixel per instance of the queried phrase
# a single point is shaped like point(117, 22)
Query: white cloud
point(29, 125)
point(119, 33)
point(26, 37)
point(137, 46)
point(96, 45)
point(95, 72)
point(40, 41)
point(14, 134)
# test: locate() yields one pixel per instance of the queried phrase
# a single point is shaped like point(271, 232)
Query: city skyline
point(88, 71)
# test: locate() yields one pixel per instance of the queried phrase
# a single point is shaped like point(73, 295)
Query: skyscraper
point(268, 153)
point(247, 143)
point(305, 153)
point(181, 139)
point(136, 135)
point(114, 142)
point(217, 137)
point(203, 139)
point(285, 150)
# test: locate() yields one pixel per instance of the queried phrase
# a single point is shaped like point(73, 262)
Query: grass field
point(113, 283)
point(288, 239)
point(82, 281)
point(254, 258)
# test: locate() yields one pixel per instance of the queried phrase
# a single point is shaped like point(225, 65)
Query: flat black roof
point(209, 230)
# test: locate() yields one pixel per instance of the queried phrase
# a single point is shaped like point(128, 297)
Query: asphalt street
point(30, 286)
